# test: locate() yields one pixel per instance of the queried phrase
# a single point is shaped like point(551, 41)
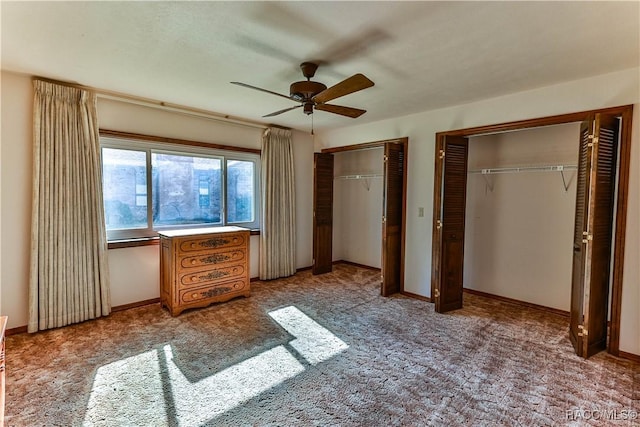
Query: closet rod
point(362, 176)
point(551, 168)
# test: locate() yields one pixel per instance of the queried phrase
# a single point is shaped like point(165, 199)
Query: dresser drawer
point(200, 277)
point(207, 292)
point(227, 240)
point(222, 256)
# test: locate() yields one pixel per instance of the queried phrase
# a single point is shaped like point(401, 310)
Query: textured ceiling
point(421, 55)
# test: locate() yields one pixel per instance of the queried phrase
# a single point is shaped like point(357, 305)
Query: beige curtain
point(69, 271)
point(278, 230)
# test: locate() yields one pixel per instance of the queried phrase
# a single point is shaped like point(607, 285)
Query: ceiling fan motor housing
point(305, 90)
point(308, 107)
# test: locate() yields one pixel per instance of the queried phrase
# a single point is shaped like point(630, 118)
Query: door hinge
point(384, 218)
point(438, 224)
point(586, 237)
point(593, 139)
point(436, 293)
point(442, 153)
point(385, 158)
point(582, 331)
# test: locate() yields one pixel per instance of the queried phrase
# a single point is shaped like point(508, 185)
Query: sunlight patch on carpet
point(132, 391)
point(314, 342)
point(128, 392)
point(196, 403)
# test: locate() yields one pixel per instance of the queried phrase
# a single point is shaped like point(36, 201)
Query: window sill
point(133, 243)
point(148, 241)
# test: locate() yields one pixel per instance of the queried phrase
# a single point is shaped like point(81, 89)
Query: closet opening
point(519, 216)
point(491, 182)
point(360, 209)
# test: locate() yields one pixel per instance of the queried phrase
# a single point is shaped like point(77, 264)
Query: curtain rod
point(153, 103)
point(271, 125)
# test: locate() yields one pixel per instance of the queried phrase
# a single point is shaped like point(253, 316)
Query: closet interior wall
point(519, 225)
point(357, 207)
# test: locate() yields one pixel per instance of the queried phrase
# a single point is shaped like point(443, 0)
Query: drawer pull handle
point(193, 245)
point(194, 278)
point(193, 262)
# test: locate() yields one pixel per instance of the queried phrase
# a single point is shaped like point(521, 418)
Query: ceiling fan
point(314, 95)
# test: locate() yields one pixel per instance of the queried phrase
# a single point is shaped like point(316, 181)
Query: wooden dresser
point(3, 327)
point(202, 266)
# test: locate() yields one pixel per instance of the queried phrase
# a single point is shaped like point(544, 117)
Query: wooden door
point(322, 212)
point(592, 234)
point(450, 191)
point(393, 218)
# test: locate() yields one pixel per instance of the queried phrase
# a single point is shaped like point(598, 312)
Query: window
point(152, 186)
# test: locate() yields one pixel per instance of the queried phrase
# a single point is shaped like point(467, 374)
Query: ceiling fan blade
point(282, 111)
point(260, 89)
point(352, 84)
point(343, 111)
point(354, 45)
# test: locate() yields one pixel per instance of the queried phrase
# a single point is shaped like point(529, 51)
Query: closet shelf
point(550, 168)
point(366, 178)
point(362, 176)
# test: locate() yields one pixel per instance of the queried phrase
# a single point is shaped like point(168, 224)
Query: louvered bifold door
point(448, 227)
point(322, 212)
point(392, 218)
point(593, 233)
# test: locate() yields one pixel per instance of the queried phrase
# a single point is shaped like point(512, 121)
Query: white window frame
point(187, 150)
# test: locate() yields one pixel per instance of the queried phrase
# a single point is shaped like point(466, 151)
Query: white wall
point(15, 193)
point(519, 236)
point(134, 271)
point(357, 208)
point(613, 89)
point(630, 314)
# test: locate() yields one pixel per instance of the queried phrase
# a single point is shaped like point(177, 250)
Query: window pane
point(186, 189)
point(124, 179)
point(240, 190)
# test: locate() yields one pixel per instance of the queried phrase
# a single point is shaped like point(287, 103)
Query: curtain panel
point(277, 233)
point(69, 280)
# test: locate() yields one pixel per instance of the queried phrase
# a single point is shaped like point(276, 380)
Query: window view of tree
point(240, 191)
point(186, 189)
point(124, 175)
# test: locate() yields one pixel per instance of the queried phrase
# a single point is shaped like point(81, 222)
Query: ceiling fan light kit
point(313, 95)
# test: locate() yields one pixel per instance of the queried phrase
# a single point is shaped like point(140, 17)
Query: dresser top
point(198, 231)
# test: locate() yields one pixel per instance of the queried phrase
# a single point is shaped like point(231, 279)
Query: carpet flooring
point(317, 351)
